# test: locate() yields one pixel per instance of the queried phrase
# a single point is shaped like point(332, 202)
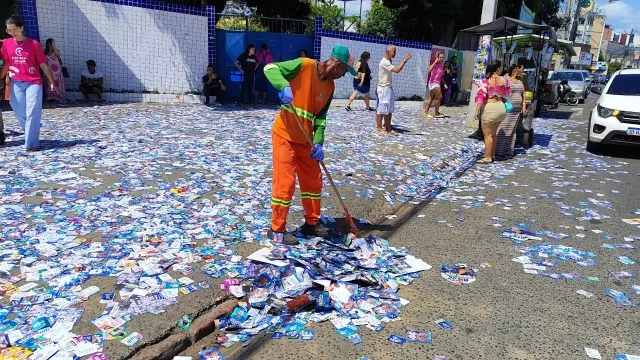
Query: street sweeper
point(306, 89)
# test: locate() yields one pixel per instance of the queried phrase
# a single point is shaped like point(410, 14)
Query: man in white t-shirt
point(384, 90)
point(91, 81)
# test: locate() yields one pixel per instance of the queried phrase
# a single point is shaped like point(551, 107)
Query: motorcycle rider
point(563, 90)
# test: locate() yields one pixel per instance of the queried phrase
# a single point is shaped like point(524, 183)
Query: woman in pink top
point(493, 91)
point(436, 70)
point(23, 59)
point(263, 57)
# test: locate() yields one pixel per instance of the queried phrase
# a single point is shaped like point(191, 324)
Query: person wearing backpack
point(263, 58)
point(362, 81)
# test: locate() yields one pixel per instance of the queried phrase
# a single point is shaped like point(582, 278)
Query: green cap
point(344, 56)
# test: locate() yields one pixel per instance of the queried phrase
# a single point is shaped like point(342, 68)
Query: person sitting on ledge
point(212, 86)
point(91, 81)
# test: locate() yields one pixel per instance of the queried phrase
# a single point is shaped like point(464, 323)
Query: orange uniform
point(291, 149)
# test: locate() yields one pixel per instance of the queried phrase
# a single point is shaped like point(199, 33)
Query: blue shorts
point(361, 89)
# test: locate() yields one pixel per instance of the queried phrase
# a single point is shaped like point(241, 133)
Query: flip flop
point(428, 116)
point(440, 116)
point(484, 161)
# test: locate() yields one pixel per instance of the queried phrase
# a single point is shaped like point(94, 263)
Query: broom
point(352, 225)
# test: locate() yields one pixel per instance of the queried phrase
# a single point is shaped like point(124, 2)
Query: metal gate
point(231, 43)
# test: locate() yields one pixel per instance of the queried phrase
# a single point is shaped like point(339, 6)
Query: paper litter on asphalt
point(132, 192)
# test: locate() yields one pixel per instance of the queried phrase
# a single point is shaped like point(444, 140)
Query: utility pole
point(574, 30)
point(489, 9)
point(574, 26)
point(585, 27)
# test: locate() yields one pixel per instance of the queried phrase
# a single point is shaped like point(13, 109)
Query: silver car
point(579, 82)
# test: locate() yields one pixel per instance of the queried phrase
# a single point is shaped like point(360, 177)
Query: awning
point(467, 39)
point(537, 42)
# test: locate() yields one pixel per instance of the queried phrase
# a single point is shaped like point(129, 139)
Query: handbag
point(65, 71)
point(507, 105)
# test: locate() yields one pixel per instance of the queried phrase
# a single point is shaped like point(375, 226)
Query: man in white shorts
point(384, 90)
point(436, 70)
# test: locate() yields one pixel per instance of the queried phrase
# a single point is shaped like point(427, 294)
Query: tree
point(545, 10)
point(292, 9)
point(613, 67)
point(600, 57)
point(435, 21)
point(333, 16)
point(381, 20)
point(438, 21)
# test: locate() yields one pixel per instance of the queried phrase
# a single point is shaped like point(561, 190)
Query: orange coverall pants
point(289, 159)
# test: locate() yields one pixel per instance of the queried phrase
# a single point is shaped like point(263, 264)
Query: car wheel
point(593, 147)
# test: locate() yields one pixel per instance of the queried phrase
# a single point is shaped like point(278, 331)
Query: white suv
point(616, 117)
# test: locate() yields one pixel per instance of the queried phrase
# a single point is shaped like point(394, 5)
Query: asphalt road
point(507, 313)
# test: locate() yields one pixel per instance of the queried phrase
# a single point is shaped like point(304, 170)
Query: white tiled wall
point(410, 81)
point(136, 49)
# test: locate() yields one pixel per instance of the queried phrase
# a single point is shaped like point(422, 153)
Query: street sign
point(585, 58)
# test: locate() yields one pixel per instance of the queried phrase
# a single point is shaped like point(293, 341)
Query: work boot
point(286, 238)
point(315, 230)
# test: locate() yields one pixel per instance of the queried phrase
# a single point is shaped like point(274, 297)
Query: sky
point(622, 15)
point(353, 6)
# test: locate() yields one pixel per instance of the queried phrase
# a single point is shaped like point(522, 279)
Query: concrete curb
point(177, 340)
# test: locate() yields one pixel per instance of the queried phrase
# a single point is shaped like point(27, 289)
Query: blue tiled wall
point(211, 22)
point(317, 44)
point(320, 32)
point(27, 9)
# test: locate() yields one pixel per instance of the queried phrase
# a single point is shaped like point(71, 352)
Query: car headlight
point(606, 112)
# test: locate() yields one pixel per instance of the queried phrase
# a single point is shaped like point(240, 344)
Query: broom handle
point(324, 167)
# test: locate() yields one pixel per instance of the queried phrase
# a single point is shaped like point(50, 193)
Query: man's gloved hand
point(317, 153)
point(286, 95)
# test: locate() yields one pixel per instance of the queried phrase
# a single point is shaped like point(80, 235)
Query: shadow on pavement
point(401, 130)
point(542, 139)
point(619, 151)
point(556, 114)
point(364, 229)
point(74, 104)
point(53, 144)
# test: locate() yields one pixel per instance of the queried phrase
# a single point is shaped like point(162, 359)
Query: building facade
point(608, 33)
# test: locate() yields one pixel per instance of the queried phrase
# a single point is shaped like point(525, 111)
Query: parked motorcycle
point(565, 94)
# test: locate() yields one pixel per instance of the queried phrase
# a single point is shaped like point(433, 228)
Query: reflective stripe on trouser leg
point(284, 181)
point(310, 179)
